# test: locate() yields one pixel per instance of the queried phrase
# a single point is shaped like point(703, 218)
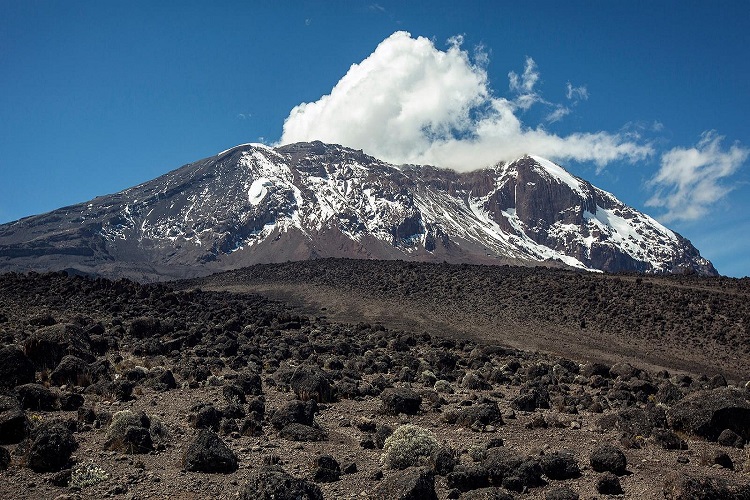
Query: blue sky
point(648, 100)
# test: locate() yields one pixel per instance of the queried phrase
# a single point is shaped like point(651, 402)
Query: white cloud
point(576, 93)
point(689, 180)
point(558, 114)
point(523, 85)
point(409, 102)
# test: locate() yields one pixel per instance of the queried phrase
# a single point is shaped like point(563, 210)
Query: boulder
point(295, 412)
point(36, 397)
point(560, 465)
point(205, 416)
point(467, 477)
point(309, 382)
point(327, 469)
point(562, 493)
point(608, 458)
point(708, 413)
point(680, 486)
point(301, 432)
point(274, 483)
point(481, 414)
point(208, 453)
point(608, 484)
point(47, 346)
point(414, 483)
point(15, 367)
point(4, 458)
point(730, 438)
point(51, 448)
point(510, 469)
point(400, 400)
point(13, 422)
point(71, 370)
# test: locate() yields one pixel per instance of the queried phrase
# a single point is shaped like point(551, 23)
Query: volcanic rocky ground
point(375, 380)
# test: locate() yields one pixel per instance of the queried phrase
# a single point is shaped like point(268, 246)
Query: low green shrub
point(408, 445)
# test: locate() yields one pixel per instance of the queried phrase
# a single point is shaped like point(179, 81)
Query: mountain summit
point(255, 204)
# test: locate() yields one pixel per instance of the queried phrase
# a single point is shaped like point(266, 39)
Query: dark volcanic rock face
point(254, 204)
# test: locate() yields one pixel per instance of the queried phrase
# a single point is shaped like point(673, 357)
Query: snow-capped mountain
point(253, 204)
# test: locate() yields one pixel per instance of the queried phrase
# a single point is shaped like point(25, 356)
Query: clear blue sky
point(97, 96)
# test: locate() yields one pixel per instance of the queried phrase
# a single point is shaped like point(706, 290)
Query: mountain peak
point(253, 203)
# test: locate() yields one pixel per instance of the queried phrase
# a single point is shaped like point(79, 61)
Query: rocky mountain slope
point(254, 204)
point(114, 389)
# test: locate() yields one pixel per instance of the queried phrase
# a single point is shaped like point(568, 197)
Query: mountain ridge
point(253, 204)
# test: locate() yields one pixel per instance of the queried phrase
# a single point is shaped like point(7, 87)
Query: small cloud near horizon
point(691, 180)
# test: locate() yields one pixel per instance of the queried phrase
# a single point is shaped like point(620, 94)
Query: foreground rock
point(274, 483)
point(51, 448)
point(709, 413)
point(414, 483)
point(208, 453)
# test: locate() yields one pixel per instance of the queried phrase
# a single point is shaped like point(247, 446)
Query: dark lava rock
point(251, 383)
point(590, 369)
point(71, 370)
point(510, 469)
point(47, 346)
point(490, 493)
point(4, 458)
point(310, 382)
point(560, 465)
point(205, 416)
point(400, 400)
point(208, 453)
point(274, 483)
point(70, 401)
point(443, 460)
point(414, 483)
point(608, 484)
point(625, 371)
point(531, 400)
point(382, 432)
point(301, 432)
point(161, 380)
point(668, 439)
point(562, 493)
point(718, 457)
point(15, 367)
point(36, 397)
point(708, 413)
point(327, 469)
point(679, 486)
point(480, 414)
point(252, 425)
point(145, 327)
point(233, 394)
point(730, 438)
point(467, 477)
point(51, 448)
point(607, 457)
point(298, 412)
point(13, 422)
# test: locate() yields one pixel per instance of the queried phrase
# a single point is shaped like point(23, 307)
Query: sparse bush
point(477, 452)
point(408, 445)
point(429, 378)
point(87, 475)
point(443, 386)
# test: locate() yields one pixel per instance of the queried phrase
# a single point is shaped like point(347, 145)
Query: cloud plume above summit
point(410, 102)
